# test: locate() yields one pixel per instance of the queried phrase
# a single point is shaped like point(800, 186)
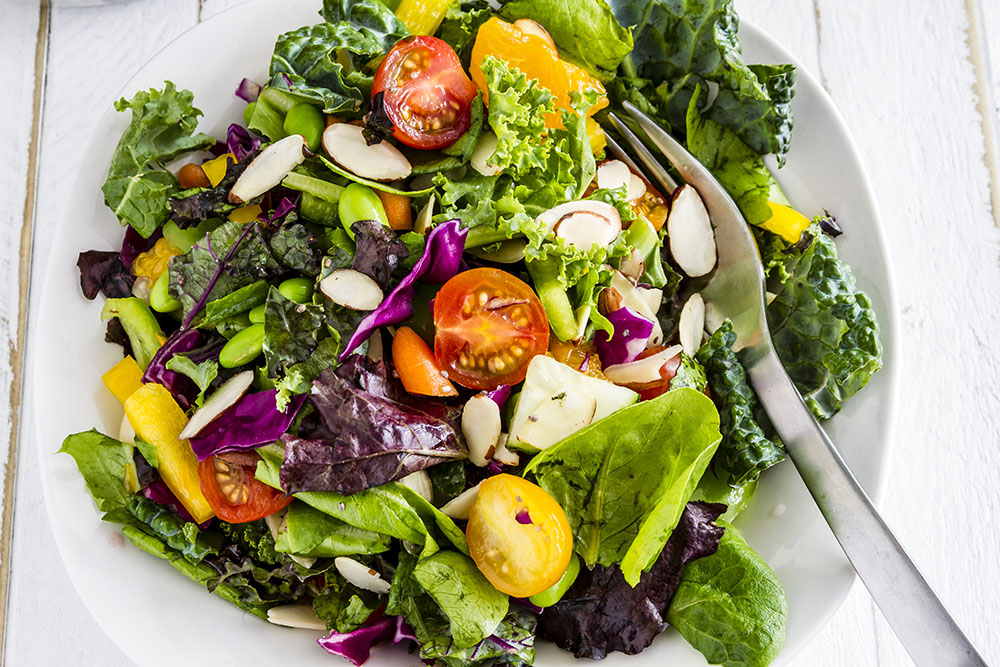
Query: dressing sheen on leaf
point(625, 480)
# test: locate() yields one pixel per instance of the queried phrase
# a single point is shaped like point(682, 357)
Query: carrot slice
point(417, 367)
point(398, 210)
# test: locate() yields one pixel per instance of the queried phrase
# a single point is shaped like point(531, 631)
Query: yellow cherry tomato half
point(518, 536)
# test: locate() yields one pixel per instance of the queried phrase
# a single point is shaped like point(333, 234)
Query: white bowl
point(158, 617)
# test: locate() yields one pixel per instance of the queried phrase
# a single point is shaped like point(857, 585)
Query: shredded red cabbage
point(252, 421)
point(248, 90)
point(192, 344)
point(499, 395)
point(441, 260)
point(241, 142)
point(356, 646)
point(632, 332)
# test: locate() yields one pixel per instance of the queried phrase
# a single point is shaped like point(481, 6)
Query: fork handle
point(917, 616)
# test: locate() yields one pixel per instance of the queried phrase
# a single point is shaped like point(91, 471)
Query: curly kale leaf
point(290, 331)
point(745, 450)
point(823, 327)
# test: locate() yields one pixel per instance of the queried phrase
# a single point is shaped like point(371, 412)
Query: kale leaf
point(290, 331)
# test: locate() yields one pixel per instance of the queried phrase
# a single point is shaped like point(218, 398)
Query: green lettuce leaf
point(586, 32)
point(745, 451)
point(730, 606)
point(823, 327)
point(312, 533)
point(106, 465)
point(624, 481)
point(162, 127)
point(201, 374)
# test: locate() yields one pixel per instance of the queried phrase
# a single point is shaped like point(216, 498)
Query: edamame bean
point(359, 202)
point(248, 113)
point(243, 348)
point(554, 593)
point(299, 290)
point(307, 120)
point(257, 314)
point(159, 297)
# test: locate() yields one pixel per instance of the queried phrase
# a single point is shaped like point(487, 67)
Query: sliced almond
point(613, 174)
point(691, 327)
point(652, 296)
point(561, 414)
point(481, 428)
point(692, 239)
point(530, 27)
point(352, 289)
point(379, 162)
point(636, 187)
point(231, 391)
point(420, 483)
point(503, 455)
point(633, 265)
point(295, 616)
point(422, 223)
point(480, 158)
point(510, 251)
point(269, 168)
point(140, 288)
point(460, 506)
point(643, 370)
point(605, 215)
point(360, 575)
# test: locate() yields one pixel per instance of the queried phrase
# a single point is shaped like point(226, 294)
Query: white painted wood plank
point(900, 73)
point(990, 12)
point(92, 52)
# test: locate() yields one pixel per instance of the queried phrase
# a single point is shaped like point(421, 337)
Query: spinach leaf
point(314, 534)
point(624, 481)
point(290, 331)
point(162, 127)
point(448, 480)
point(601, 612)
point(731, 606)
point(474, 608)
point(162, 522)
point(586, 32)
point(106, 465)
point(230, 257)
point(202, 374)
point(745, 451)
point(823, 327)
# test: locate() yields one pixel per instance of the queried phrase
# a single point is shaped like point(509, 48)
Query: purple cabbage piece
point(134, 244)
point(248, 90)
point(441, 260)
point(252, 421)
point(241, 142)
point(368, 438)
point(631, 335)
point(284, 207)
point(192, 344)
point(103, 271)
point(601, 613)
point(356, 646)
point(499, 395)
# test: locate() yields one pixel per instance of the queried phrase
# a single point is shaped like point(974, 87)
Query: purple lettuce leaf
point(103, 271)
point(252, 421)
point(441, 260)
point(379, 254)
point(356, 646)
point(601, 613)
point(241, 142)
point(193, 344)
point(284, 207)
point(632, 332)
point(366, 437)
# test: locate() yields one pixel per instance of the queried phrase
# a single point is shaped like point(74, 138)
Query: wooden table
point(913, 82)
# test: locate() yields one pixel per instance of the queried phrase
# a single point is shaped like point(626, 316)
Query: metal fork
point(919, 619)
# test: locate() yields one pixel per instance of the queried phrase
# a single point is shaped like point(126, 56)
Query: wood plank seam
point(819, 47)
point(16, 352)
point(983, 88)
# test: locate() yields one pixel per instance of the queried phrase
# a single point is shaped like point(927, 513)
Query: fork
point(917, 616)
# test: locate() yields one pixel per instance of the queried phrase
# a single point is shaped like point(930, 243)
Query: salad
point(410, 357)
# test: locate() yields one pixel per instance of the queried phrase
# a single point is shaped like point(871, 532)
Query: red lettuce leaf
point(368, 435)
point(103, 271)
point(601, 613)
point(379, 254)
point(252, 421)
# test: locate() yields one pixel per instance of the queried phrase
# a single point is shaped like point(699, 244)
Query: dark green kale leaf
point(162, 127)
point(823, 327)
point(296, 247)
point(745, 451)
point(343, 607)
point(461, 24)
point(371, 17)
point(162, 522)
point(689, 374)
point(291, 331)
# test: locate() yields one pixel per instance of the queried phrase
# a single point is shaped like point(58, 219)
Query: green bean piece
point(257, 314)
point(244, 347)
point(307, 120)
point(159, 298)
point(248, 113)
point(554, 593)
point(299, 290)
point(359, 202)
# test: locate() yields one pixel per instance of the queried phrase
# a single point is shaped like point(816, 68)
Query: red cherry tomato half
point(427, 94)
point(488, 325)
point(236, 496)
point(518, 536)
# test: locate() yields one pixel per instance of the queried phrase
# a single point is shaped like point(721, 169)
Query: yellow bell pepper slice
point(422, 17)
point(123, 379)
point(157, 419)
point(215, 168)
point(245, 214)
point(786, 222)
